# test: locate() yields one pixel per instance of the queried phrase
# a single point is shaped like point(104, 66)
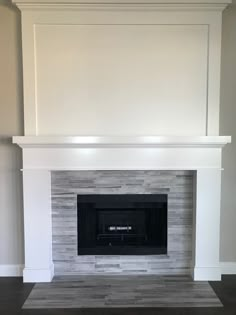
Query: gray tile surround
point(67, 184)
point(122, 291)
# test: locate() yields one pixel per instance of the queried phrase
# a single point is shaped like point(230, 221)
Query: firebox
point(122, 224)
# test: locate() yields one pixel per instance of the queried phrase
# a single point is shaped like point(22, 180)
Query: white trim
point(52, 168)
point(206, 273)
point(38, 275)
point(172, 4)
point(11, 270)
point(126, 2)
point(147, 141)
point(123, 6)
point(228, 268)
point(121, 158)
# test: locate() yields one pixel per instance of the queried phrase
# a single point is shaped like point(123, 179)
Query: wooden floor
point(122, 292)
point(13, 293)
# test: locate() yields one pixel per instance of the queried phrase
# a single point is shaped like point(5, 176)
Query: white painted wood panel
point(112, 79)
point(38, 226)
point(39, 161)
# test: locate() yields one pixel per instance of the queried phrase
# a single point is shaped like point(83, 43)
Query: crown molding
point(160, 5)
point(172, 2)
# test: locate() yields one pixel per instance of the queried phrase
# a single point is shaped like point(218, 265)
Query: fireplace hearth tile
point(120, 291)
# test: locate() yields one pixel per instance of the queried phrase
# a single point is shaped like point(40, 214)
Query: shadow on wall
point(11, 123)
point(227, 126)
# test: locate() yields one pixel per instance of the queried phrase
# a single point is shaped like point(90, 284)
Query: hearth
point(122, 224)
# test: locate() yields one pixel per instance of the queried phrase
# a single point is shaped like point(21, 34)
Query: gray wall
point(228, 127)
point(11, 123)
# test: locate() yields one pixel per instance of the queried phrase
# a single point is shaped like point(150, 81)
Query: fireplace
point(154, 142)
point(122, 224)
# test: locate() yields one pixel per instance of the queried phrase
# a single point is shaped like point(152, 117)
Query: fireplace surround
point(51, 169)
point(117, 86)
point(176, 187)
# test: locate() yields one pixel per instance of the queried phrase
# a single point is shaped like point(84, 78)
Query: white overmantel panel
point(165, 57)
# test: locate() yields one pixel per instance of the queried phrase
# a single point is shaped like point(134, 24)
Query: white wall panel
point(112, 79)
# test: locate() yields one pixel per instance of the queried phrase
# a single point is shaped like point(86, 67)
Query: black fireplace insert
point(122, 224)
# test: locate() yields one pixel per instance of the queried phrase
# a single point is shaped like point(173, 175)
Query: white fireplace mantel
point(119, 68)
point(129, 141)
point(110, 153)
point(41, 155)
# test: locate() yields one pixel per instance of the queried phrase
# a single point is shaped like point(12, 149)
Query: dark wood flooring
point(13, 293)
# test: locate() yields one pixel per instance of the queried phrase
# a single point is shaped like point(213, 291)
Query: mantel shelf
point(121, 141)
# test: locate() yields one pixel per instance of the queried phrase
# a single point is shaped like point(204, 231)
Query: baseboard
point(228, 268)
point(11, 270)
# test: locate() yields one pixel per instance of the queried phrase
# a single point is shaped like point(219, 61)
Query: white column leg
point(207, 225)
point(37, 226)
